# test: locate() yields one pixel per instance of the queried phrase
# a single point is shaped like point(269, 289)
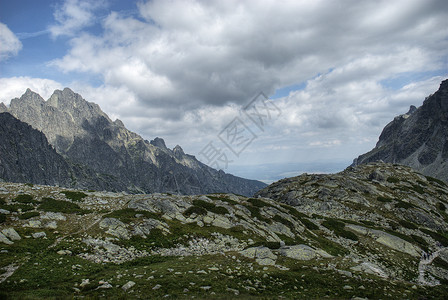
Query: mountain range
point(93, 145)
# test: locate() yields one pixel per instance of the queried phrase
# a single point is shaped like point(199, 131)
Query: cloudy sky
point(335, 72)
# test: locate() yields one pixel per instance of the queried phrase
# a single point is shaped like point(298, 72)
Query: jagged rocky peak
point(29, 98)
point(418, 139)
point(3, 107)
point(178, 151)
point(119, 123)
point(158, 142)
point(73, 103)
point(81, 132)
point(412, 110)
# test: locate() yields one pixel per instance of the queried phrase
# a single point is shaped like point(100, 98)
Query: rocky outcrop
point(352, 233)
point(83, 134)
point(418, 139)
point(26, 156)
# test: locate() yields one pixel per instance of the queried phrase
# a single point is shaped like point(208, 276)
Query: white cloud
point(10, 44)
point(14, 87)
point(183, 69)
point(74, 15)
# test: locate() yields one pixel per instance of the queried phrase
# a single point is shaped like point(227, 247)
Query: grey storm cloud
point(184, 54)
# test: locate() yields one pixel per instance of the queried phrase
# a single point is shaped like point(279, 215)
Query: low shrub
point(432, 179)
point(50, 204)
point(127, 215)
point(407, 224)
point(195, 210)
point(338, 228)
point(221, 210)
point(308, 224)
point(441, 206)
point(393, 179)
point(74, 196)
point(402, 204)
point(443, 239)
point(282, 220)
point(29, 215)
point(255, 213)
point(383, 199)
point(25, 198)
point(257, 202)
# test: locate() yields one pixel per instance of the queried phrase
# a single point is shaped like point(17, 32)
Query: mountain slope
point(81, 132)
point(357, 234)
point(418, 139)
point(26, 156)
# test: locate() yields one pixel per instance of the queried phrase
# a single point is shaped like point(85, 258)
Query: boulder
point(299, 252)
point(115, 227)
point(11, 234)
point(263, 255)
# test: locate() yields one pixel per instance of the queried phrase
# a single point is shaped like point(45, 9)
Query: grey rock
point(128, 285)
point(262, 255)
point(299, 252)
point(38, 235)
point(5, 240)
point(11, 234)
point(115, 227)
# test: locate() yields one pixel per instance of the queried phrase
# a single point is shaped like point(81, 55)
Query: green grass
point(270, 245)
point(393, 179)
point(418, 189)
point(294, 212)
point(195, 210)
point(432, 179)
point(50, 204)
point(233, 202)
point(128, 215)
point(338, 228)
point(421, 242)
point(402, 204)
point(440, 237)
point(74, 196)
point(308, 224)
point(383, 199)
point(28, 215)
point(282, 220)
point(258, 203)
point(16, 207)
point(26, 199)
point(368, 223)
point(330, 246)
point(255, 213)
point(438, 262)
point(221, 210)
point(407, 224)
point(440, 206)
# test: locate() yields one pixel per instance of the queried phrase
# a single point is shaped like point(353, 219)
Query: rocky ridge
point(85, 136)
point(369, 230)
point(26, 156)
point(418, 139)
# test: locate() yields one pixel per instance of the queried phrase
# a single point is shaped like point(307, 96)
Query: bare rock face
point(82, 133)
point(26, 156)
point(418, 139)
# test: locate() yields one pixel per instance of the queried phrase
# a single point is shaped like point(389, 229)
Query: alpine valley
point(89, 209)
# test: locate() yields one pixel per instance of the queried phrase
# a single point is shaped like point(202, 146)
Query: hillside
point(358, 233)
point(83, 134)
point(418, 139)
